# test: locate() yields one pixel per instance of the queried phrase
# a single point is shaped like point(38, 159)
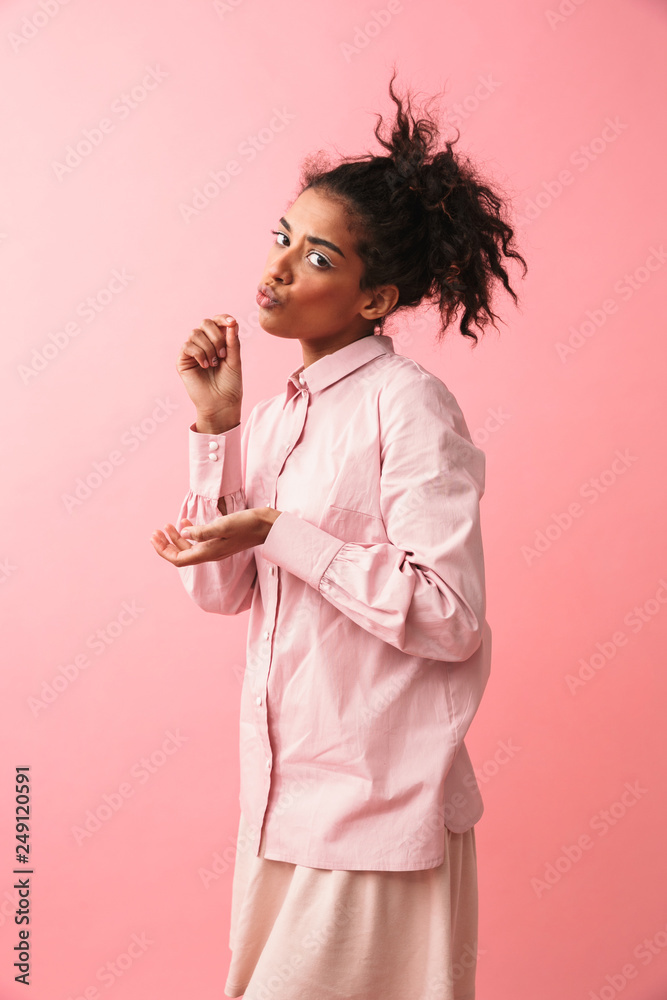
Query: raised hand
point(210, 366)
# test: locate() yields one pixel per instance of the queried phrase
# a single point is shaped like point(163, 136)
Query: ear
point(383, 299)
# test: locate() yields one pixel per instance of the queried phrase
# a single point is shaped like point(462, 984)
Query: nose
point(279, 271)
point(280, 268)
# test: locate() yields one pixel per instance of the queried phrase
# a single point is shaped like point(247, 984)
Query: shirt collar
point(332, 367)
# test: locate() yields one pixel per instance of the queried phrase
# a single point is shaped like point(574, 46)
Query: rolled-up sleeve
point(217, 469)
point(422, 591)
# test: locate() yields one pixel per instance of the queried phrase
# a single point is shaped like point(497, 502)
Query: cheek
point(330, 295)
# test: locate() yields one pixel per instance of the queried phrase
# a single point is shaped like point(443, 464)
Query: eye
point(320, 267)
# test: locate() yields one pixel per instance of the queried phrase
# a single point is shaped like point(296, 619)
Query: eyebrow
point(314, 239)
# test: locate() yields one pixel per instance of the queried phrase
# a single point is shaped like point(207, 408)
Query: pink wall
point(105, 272)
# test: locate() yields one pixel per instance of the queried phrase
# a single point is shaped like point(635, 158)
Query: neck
point(311, 353)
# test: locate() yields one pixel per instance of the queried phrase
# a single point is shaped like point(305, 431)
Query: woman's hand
point(218, 539)
point(210, 367)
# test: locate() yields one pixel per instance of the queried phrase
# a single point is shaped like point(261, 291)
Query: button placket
point(273, 608)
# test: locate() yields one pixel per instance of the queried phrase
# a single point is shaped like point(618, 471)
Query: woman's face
point(313, 272)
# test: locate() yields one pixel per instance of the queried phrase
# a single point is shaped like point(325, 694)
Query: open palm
point(218, 539)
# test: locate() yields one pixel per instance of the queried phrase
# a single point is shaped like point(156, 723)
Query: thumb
point(192, 532)
point(202, 532)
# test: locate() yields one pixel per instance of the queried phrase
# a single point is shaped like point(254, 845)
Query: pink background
point(571, 904)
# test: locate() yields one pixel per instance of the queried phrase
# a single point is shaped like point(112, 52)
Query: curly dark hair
point(424, 221)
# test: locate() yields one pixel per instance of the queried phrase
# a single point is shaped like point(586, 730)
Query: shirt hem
point(420, 866)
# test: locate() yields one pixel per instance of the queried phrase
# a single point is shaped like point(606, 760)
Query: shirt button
point(212, 456)
point(272, 568)
point(258, 699)
point(302, 380)
point(213, 445)
point(267, 635)
point(269, 504)
point(268, 765)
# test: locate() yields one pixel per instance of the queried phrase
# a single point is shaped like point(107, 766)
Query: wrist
point(266, 517)
point(217, 423)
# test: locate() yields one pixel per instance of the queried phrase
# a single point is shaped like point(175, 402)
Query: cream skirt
point(312, 934)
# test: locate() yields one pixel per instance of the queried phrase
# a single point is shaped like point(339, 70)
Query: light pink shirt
point(368, 649)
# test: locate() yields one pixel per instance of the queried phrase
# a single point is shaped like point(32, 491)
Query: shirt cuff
point(300, 547)
point(215, 462)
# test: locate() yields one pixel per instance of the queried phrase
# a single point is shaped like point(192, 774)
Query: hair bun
point(409, 172)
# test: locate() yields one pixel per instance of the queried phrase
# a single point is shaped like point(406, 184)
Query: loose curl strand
point(423, 219)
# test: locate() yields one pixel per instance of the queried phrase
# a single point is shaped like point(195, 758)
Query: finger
point(191, 532)
point(205, 552)
point(204, 346)
point(185, 525)
point(183, 556)
point(160, 536)
point(225, 321)
point(233, 347)
point(214, 549)
point(205, 532)
point(158, 541)
point(215, 329)
point(163, 547)
point(176, 537)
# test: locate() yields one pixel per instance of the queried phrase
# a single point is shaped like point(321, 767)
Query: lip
point(265, 297)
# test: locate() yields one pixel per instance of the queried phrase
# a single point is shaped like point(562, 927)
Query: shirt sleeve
point(422, 591)
point(217, 469)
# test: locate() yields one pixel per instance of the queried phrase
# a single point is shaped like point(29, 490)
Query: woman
point(350, 528)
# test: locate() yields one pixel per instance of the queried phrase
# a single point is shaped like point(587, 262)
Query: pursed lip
point(265, 290)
